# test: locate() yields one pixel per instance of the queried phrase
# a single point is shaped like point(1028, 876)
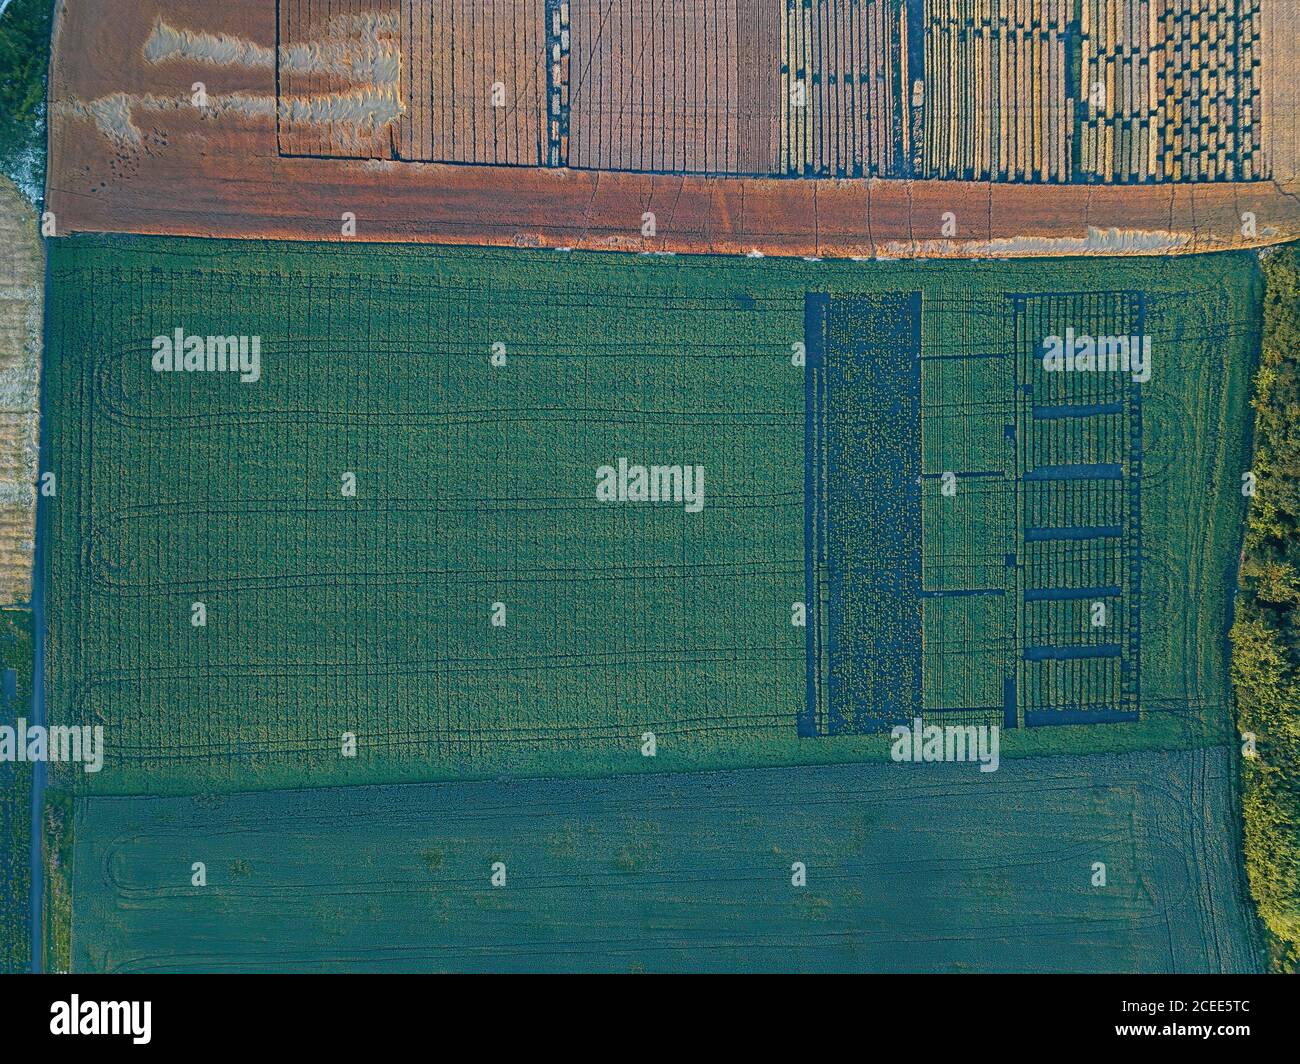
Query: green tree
point(24, 62)
point(1266, 635)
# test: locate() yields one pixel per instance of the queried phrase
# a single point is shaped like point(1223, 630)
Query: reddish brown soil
point(176, 170)
point(670, 86)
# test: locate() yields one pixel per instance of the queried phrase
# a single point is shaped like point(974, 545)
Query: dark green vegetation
point(56, 843)
point(371, 614)
point(1266, 636)
point(25, 60)
point(909, 868)
point(16, 656)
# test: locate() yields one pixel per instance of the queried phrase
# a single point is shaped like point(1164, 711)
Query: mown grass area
point(372, 614)
point(25, 59)
point(16, 654)
point(1266, 635)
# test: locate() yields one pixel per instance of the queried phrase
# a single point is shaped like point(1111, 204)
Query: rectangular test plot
point(342, 75)
point(1079, 461)
point(968, 507)
point(863, 517)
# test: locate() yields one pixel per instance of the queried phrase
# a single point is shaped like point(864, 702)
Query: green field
point(15, 800)
point(371, 614)
point(909, 868)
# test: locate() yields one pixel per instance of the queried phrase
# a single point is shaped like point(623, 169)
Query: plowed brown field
point(22, 265)
point(310, 111)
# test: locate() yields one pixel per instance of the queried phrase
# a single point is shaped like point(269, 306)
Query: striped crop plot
point(1171, 91)
point(474, 512)
point(1002, 90)
point(667, 87)
point(478, 84)
point(422, 80)
point(998, 98)
point(337, 75)
point(846, 91)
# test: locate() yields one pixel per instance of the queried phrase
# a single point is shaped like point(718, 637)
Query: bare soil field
point(266, 154)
